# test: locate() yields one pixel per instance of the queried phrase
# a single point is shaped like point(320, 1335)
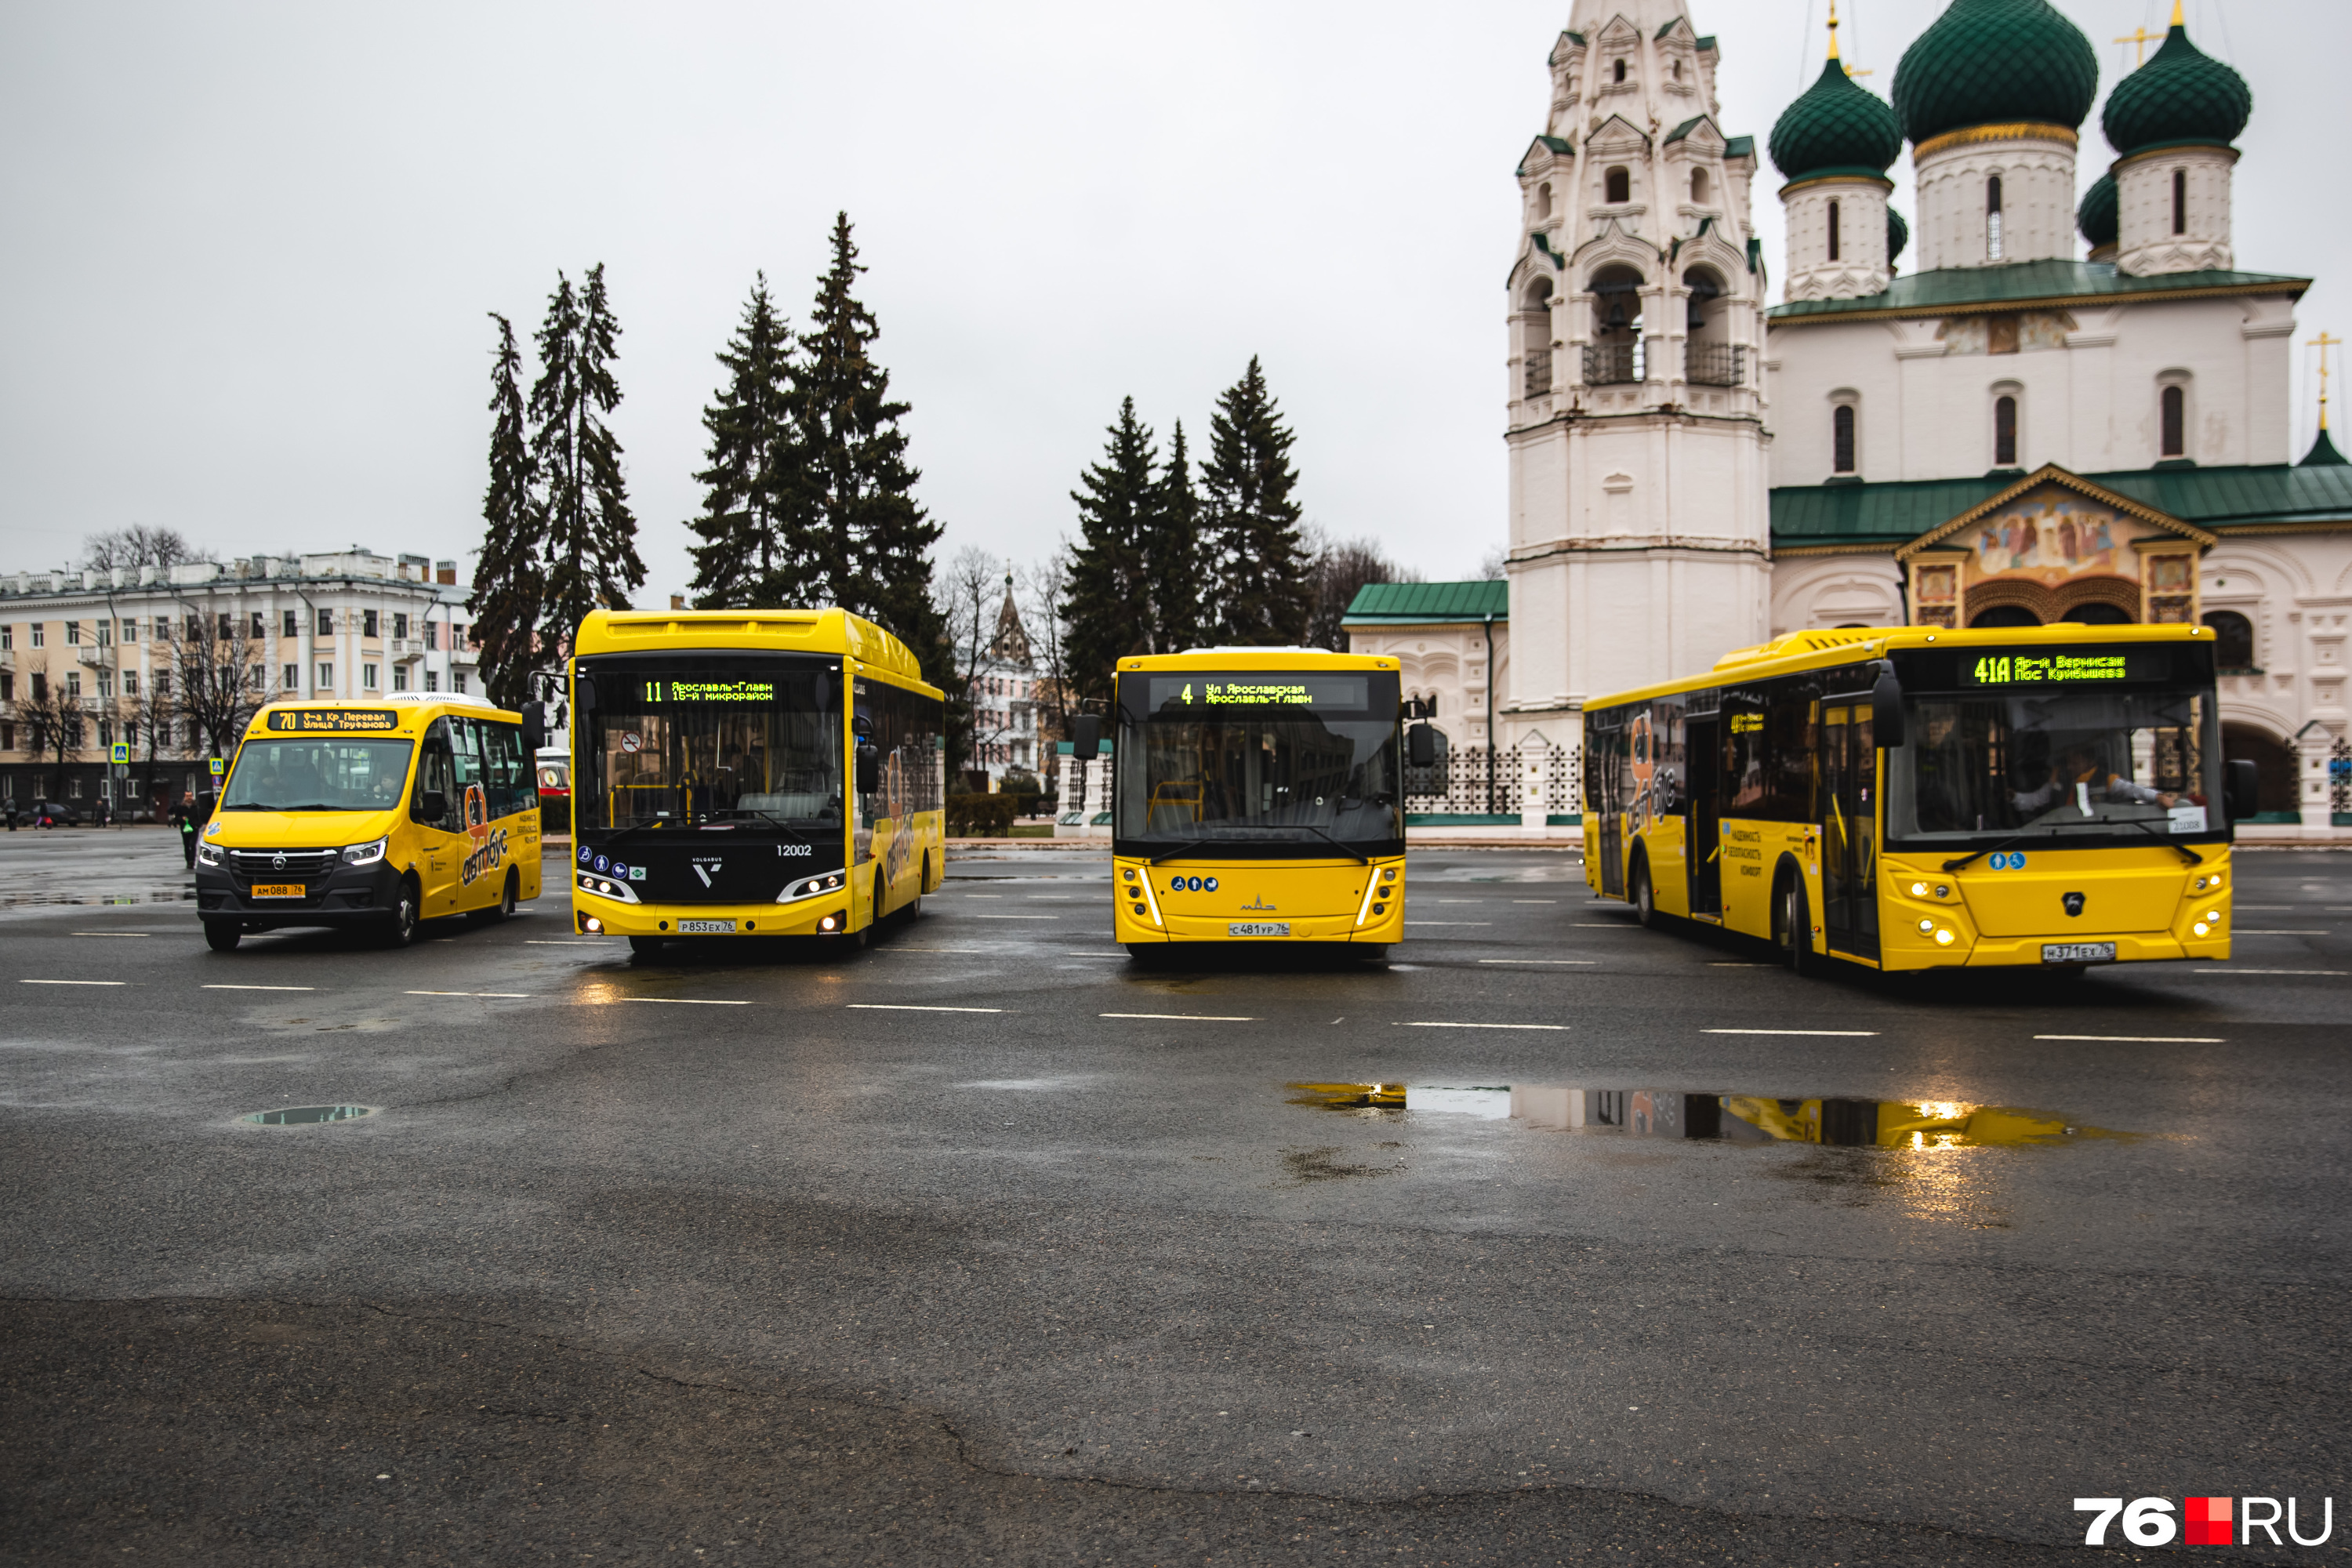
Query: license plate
point(705, 928)
point(1258, 928)
point(279, 889)
point(2078, 952)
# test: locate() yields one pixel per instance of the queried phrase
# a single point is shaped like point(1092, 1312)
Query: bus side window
point(436, 773)
point(508, 786)
point(1793, 715)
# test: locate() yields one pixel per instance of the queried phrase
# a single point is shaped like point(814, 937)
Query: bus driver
point(2078, 772)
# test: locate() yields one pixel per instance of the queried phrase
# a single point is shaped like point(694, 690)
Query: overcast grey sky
point(249, 248)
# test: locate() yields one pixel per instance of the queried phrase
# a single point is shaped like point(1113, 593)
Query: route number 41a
point(2147, 1522)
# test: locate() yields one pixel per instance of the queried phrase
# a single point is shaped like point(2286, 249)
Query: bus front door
point(1849, 775)
point(1703, 760)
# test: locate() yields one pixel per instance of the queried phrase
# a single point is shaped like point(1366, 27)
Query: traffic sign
point(219, 767)
point(121, 752)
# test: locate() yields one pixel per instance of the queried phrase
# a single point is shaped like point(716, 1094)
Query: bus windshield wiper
point(2191, 855)
point(1360, 858)
point(1991, 848)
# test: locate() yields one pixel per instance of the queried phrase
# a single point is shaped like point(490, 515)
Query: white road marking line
point(1535, 900)
point(1400, 1024)
point(686, 1001)
point(2252, 930)
point(73, 982)
point(1561, 962)
point(141, 934)
point(1460, 901)
point(911, 1007)
point(1738, 964)
point(260, 988)
point(894, 947)
point(1604, 925)
point(1449, 922)
point(2201, 974)
point(508, 995)
point(2145, 1039)
point(1185, 1017)
point(1015, 917)
point(568, 941)
point(1852, 1034)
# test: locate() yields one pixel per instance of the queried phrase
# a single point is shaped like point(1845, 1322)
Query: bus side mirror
point(432, 805)
point(1421, 747)
point(869, 769)
point(534, 727)
point(1887, 709)
point(1086, 736)
point(584, 691)
point(2241, 788)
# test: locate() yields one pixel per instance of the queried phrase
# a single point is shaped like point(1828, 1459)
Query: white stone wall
point(2146, 244)
point(1448, 662)
point(1860, 267)
point(2296, 589)
point(1828, 591)
point(2037, 201)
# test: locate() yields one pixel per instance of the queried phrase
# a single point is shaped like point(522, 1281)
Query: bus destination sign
point(1278, 689)
point(334, 720)
point(2061, 668)
point(665, 689)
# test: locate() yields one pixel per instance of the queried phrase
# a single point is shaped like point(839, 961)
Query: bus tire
point(1794, 921)
point(1644, 896)
point(504, 908)
point(221, 936)
point(401, 929)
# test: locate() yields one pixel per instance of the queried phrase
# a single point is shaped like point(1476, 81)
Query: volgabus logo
point(2204, 1521)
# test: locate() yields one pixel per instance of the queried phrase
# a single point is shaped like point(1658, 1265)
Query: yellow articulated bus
point(1258, 796)
point(373, 812)
point(1915, 798)
point(750, 773)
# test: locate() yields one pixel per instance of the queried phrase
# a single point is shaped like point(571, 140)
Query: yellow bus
point(1915, 798)
point(371, 813)
point(1257, 796)
point(750, 773)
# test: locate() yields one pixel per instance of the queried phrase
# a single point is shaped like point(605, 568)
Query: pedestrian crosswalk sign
point(121, 750)
point(220, 766)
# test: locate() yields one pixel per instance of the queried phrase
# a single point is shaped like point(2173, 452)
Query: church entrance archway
point(2004, 616)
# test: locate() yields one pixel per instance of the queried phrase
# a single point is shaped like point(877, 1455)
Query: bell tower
point(1635, 405)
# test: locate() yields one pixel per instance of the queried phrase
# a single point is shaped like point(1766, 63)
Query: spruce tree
point(869, 540)
point(1255, 561)
point(1108, 597)
point(756, 549)
point(508, 580)
point(590, 537)
point(1172, 553)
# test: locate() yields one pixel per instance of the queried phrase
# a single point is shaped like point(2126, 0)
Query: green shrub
point(980, 815)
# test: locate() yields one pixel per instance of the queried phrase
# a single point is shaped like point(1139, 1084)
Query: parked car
point(554, 790)
point(50, 813)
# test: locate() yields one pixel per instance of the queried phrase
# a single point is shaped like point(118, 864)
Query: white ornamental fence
point(1531, 776)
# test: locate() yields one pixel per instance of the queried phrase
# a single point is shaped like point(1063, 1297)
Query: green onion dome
point(1898, 234)
point(1992, 62)
point(2182, 94)
point(1836, 128)
point(2097, 217)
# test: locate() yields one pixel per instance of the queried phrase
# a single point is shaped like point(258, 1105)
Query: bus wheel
point(1645, 901)
point(402, 928)
point(221, 936)
point(510, 897)
point(1796, 931)
point(645, 946)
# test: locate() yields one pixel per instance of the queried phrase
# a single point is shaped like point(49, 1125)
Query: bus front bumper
point(2027, 951)
point(346, 896)
point(827, 916)
point(1160, 914)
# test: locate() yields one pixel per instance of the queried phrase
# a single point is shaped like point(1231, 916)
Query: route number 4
point(2148, 1520)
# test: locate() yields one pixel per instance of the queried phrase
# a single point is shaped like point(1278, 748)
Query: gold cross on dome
point(2323, 343)
point(2141, 38)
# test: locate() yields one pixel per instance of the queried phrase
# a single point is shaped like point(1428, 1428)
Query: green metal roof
point(1984, 62)
point(1428, 604)
point(2100, 217)
point(1836, 125)
point(1739, 147)
point(1957, 291)
point(2213, 499)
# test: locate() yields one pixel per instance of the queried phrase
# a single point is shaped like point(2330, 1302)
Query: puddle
point(1320, 1165)
point(1723, 1118)
point(155, 896)
point(308, 1115)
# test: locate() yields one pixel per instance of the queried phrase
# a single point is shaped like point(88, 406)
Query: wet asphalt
point(987, 1243)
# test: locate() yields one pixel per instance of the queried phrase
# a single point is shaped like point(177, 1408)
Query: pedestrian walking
point(11, 814)
point(184, 817)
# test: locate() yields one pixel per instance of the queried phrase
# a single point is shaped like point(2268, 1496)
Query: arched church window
point(1615, 354)
point(2004, 432)
point(1678, 70)
point(1543, 200)
point(2233, 640)
point(1834, 231)
point(1841, 438)
point(1617, 185)
point(2174, 403)
point(1992, 219)
point(1619, 72)
point(1699, 185)
point(2096, 615)
point(2003, 616)
point(2180, 201)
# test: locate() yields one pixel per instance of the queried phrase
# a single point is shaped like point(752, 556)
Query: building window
point(226, 626)
point(293, 676)
point(400, 677)
point(105, 634)
point(432, 680)
point(370, 623)
point(2175, 406)
point(293, 624)
point(432, 638)
point(1699, 185)
point(1841, 438)
point(1834, 231)
point(2233, 642)
point(260, 625)
point(326, 623)
point(1992, 219)
point(399, 623)
point(326, 677)
point(40, 634)
point(1618, 71)
point(367, 677)
point(7, 737)
point(257, 677)
point(131, 683)
point(457, 681)
point(2180, 201)
point(1617, 185)
point(1543, 200)
point(73, 633)
point(130, 629)
point(73, 683)
point(2004, 432)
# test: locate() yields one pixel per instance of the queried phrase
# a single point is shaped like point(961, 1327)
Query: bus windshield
point(709, 741)
point(2038, 750)
point(1289, 761)
point(319, 774)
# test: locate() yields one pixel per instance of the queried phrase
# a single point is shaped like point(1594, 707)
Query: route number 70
point(2148, 1520)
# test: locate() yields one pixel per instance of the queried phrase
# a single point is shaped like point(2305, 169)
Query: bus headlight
point(606, 888)
point(1943, 939)
point(2213, 917)
point(208, 853)
point(366, 853)
point(2199, 927)
point(1918, 889)
point(810, 886)
point(1926, 925)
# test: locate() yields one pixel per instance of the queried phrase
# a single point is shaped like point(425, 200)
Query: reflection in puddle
point(309, 1115)
point(153, 896)
point(1725, 1118)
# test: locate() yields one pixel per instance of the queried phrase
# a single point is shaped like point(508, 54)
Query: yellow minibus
point(1912, 798)
point(373, 812)
point(752, 772)
point(1257, 796)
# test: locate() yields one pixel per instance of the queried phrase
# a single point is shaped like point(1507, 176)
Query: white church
point(2061, 410)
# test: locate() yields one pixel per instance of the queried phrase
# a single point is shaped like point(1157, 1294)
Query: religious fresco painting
point(2051, 539)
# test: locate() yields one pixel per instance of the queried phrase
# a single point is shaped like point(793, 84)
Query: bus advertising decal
point(490, 849)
